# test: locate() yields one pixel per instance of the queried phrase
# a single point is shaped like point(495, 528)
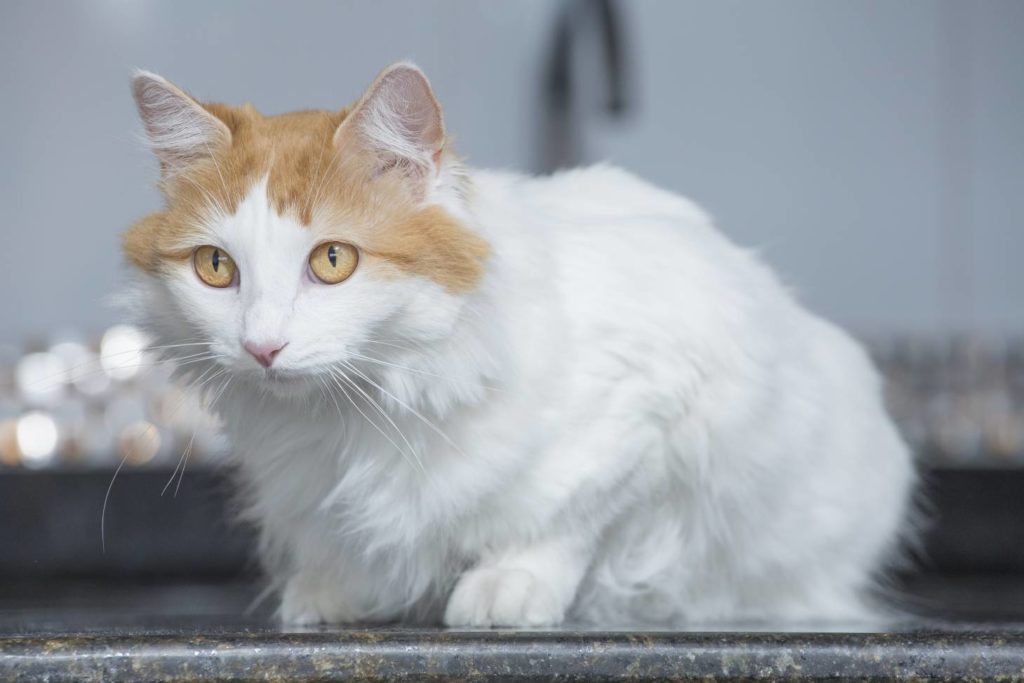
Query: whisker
point(74, 372)
point(181, 462)
point(181, 478)
point(384, 414)
point(106, 499)
point(338, 383)
point(425, 373)
point(190, 388)
point(394, 346)
point(324, 385)
point(412, 410)
point(353, 385)
point(160, 347)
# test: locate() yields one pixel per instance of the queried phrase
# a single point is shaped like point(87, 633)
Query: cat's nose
point(264, 352)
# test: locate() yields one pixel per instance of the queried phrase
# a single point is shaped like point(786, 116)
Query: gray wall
point(872, 151)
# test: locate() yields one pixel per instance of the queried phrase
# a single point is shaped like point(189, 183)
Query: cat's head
point(288, 244)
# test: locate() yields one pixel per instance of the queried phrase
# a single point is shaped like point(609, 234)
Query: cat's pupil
point(216, 260)
point(332, 255)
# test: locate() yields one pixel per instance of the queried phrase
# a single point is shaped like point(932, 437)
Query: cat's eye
point(214, 266)
point(333, 262)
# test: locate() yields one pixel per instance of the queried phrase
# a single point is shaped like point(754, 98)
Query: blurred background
point(872, 151)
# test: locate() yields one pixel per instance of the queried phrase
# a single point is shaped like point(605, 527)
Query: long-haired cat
point(486, 399)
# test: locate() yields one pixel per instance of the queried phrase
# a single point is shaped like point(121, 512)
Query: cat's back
point(626, 253)
point(585, 197)
point(605, 216)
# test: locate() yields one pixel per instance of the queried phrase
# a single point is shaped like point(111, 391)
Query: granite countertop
point(427, 655)
point(192, 630)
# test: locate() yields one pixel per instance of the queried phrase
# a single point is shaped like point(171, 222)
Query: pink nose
point(264, 353)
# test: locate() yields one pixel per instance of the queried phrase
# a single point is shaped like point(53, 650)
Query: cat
point(486, 399)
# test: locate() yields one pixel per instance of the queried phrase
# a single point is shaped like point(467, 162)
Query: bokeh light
point(89, 402)
point(40, 378)
point(37, 438)
point(122, 352)
point(139, 442)
point(9, 453)
point(82, 366)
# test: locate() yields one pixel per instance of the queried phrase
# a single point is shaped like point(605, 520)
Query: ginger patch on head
point(432, 244)
point(360, 174)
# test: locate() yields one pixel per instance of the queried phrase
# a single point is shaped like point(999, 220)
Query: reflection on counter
point(76, 402)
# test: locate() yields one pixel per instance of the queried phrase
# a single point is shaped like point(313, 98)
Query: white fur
point(629, 421)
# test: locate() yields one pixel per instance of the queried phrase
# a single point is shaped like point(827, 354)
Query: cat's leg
point(532, 586)
point(581, 483)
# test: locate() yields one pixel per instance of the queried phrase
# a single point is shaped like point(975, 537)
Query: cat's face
point(297, 244)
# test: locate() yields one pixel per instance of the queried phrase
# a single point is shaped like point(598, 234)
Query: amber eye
point(214, 266)
point(333, 262)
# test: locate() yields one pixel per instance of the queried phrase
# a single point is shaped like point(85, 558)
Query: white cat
point(498, 400)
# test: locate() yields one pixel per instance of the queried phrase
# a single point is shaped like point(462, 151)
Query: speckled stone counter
point(193, 631)
point(368, 655)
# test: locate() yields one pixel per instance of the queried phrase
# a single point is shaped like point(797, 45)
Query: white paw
point(305, 603)
point(503, 597)
point(299, 605)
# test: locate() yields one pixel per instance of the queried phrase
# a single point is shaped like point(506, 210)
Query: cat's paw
point(306, 603)
point(300, 605)
point(503, 597)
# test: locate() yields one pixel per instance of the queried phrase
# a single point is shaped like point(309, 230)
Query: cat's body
point(623, 419)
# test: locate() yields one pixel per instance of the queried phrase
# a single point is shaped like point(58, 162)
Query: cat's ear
point(397, 124)
point(180, 130)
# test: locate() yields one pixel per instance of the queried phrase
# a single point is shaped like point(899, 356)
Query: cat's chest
point(398, 477)
point(395, 480)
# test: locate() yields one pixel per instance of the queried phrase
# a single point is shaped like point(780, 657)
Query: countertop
point(965, 628)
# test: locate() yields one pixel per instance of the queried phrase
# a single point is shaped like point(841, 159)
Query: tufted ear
point(397, 123)
point(180, 130)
